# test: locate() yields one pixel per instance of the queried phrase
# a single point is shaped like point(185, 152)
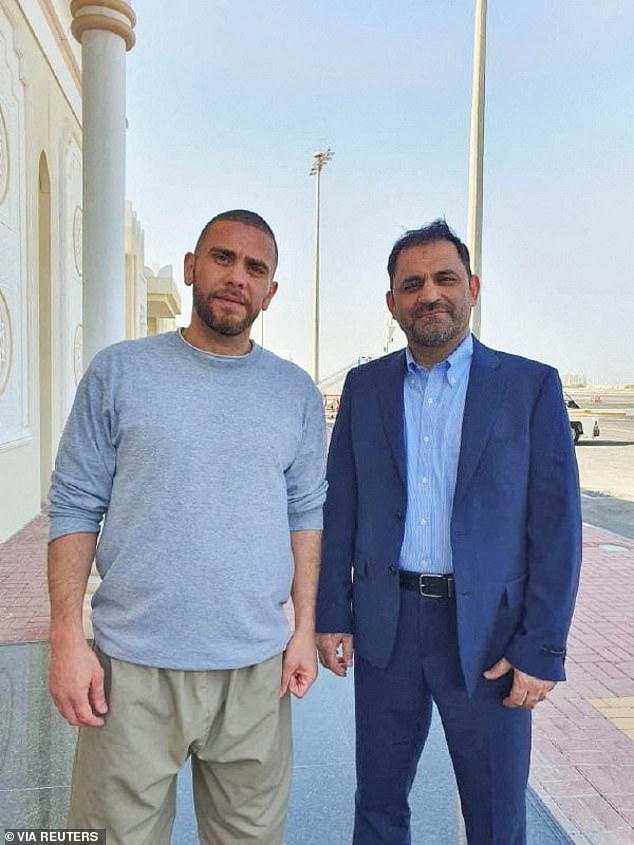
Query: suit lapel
point(390, 390)
point(486, 383)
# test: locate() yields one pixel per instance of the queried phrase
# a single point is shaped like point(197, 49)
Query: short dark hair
point(438, 230)
point(240, 215)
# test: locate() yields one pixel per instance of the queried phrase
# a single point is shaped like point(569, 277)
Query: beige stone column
point(104, 29)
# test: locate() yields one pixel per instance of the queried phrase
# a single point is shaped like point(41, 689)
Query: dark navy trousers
point(489, 744)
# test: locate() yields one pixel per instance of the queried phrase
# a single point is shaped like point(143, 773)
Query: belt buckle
point(421, 586)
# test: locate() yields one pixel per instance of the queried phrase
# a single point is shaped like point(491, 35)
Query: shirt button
point(423, 521)
point(430, 401)
point(425, 480)
point(425, 439)
point(424, 562)
point(452, 381)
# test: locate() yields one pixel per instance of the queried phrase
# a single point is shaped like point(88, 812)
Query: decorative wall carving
point(4, 158)
point(70, 239)
point(6, 343)
point(78, 353)
point(14, 359)
point(77, 238)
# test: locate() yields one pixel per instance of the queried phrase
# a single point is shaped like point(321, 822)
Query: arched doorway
point(45, 343)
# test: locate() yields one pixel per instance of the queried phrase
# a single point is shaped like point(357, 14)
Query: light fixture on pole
point(476, 153)
point(320, 161)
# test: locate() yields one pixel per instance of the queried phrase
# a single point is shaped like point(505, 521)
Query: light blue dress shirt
point(434, 402)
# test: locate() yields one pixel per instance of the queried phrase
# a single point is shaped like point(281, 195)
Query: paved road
point(606, 468)
point(608, 512)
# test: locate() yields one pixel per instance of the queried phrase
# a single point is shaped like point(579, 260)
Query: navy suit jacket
point(516, 522)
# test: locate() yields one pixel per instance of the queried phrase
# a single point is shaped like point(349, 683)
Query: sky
point(228, 100)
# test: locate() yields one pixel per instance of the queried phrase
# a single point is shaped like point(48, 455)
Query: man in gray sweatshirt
point(192, 470)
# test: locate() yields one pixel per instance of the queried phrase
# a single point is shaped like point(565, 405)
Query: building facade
point(41, 266)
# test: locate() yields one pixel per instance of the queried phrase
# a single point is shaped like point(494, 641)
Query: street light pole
point(476, 153)
point(320, 161)
point(390, 325)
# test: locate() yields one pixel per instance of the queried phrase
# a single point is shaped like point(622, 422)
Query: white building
point(574, 380)
point(42, 287)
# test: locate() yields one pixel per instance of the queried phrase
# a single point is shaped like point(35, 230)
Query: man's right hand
point(75, 681)
point(335, 652)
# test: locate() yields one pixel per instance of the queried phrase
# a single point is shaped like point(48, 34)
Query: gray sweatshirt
point(199, 465)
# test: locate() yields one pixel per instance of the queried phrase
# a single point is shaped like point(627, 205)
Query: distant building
point(332, 385)
point(574, 380)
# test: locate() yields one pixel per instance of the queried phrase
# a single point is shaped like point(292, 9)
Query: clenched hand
point(526, 692)
point(299, 665)
point(75, 680)
point(335, 652)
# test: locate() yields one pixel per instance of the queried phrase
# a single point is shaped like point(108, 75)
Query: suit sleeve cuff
point(544, 662)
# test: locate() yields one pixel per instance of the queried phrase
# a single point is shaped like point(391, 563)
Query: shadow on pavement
point(603, 511)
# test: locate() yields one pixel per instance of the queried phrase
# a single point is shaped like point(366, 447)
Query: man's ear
point(188, 268)
point(269, 296)
point(474, 288)
point(389, 301)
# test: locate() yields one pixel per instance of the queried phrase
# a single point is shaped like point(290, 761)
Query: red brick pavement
point(23, 596)
point(583, 765)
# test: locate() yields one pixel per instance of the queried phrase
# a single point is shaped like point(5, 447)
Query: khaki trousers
point(232, 723)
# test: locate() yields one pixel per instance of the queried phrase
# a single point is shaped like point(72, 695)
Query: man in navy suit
point(452, 548)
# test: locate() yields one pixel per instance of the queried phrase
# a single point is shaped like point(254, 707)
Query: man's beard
point(435, 334)
point(214, 318)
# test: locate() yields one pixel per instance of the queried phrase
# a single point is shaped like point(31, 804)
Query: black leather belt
point(430, 586)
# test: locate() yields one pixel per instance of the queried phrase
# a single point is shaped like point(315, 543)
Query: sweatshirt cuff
point(311, 520)
point(60, 526)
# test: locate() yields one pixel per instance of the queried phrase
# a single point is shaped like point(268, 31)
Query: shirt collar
point(455, 364)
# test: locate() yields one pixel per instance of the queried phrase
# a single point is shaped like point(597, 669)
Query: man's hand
point(299, 664)
point(335, 652)
point(526, 692)
point(75, 681)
